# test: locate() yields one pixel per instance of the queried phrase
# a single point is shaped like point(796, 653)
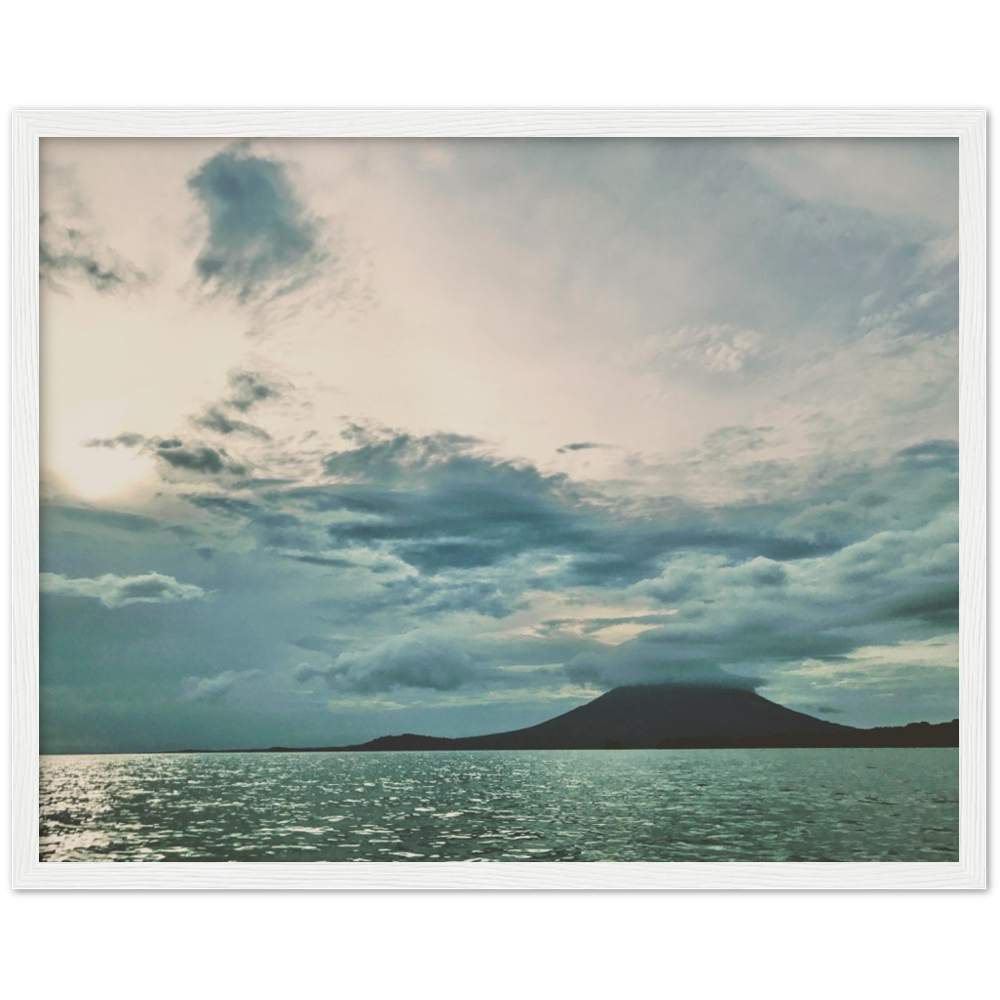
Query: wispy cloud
point(722, 349)
point(175, 454)
point(213, 419)
point(579, 446)
point(216, 687)
point(248, 388)
point(65, 253)
point(119, 591)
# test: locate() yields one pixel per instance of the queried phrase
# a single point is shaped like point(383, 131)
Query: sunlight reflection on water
point(637, 805)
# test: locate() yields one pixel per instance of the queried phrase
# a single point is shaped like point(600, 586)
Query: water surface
point(575, 805)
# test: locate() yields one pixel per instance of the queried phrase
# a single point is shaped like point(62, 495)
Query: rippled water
point(638, 805)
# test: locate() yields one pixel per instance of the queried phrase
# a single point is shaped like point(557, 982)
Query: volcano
point(647, 716)
point(666, 716)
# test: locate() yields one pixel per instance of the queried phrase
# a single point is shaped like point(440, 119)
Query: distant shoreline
point(659, 717)
point(664, 717)
point(914, 736)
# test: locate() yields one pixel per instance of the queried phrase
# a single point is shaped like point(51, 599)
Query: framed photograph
point(596, 496)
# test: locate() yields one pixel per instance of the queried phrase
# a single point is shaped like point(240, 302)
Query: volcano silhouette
point(646, 716)
point(666, 716)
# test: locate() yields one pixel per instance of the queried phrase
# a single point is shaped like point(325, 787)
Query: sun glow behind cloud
point(86, 472)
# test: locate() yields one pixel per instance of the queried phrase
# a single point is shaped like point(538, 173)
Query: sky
point(346, 437)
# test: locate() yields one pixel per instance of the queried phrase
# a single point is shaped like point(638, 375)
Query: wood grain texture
point(970, 872)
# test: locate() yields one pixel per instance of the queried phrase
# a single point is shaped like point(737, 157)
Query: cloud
point(414, 660)
point(261, 241)
point(119, 591)
point(248, 388)
point(491, 592)
point(776, 455)
point(381, 454)
point(213, 419)
point(763, 616)
point(335, 562)
point(926, 454)
point(199, 459)
point(224, 504)
point(579, 446)
point(728, 444)
point(193, 458)
point(721, 349)
point(66, 253)
point(430, 533)
point(126, 440)
point(892, 686)
point(907, 177)
point(214, 688)
point(440, 504)
point(637, 662)
point(96, 517)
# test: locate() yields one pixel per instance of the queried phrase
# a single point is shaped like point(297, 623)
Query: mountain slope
point(638, 717)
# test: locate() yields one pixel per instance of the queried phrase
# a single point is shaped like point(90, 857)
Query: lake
point(546, 805)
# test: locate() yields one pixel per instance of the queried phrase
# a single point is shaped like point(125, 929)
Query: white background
point(560, 951)
point(920, 52)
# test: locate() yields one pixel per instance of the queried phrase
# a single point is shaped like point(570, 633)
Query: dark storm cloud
point(439, 505)
point(460, 523)
point(213, 419)
point(764, 616)
point(756, 588)
point(66, 253)
point(463, 510)
point(261, 241)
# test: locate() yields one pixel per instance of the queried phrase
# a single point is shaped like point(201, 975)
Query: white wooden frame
point(969, 872)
